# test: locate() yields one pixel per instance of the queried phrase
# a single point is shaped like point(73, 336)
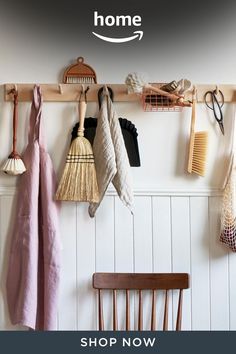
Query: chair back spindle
point(127, 310)
point(165, 320)
point(115, 321)
point(179, 313)
point(153, 318)
point(100, 311)
point(140, 311)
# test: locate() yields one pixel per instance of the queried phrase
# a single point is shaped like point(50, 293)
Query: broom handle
point(191, 142)
point(162, 92)
point(82, 112)
point(15, 116)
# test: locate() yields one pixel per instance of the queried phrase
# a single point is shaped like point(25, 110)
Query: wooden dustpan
point(80, 73)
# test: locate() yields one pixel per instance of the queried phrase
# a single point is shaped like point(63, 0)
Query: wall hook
point(13, 90)
point(81, 92)
point(60, 89)
point(194, 93)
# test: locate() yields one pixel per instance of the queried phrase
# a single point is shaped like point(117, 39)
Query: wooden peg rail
point(68, 92)
point(71, 92)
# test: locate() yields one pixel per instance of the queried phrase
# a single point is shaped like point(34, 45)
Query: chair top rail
point(141, 281)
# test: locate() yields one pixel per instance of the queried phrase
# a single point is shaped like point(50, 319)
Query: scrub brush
point(198, 146)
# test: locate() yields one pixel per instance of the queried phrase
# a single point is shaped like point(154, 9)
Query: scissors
point(215, 106)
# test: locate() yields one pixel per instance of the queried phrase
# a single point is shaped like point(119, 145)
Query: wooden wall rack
point(71, 92)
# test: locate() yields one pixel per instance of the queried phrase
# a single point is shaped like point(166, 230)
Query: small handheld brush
point(198, 146)
point(14, 165)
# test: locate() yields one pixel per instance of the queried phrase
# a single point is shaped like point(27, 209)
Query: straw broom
point(79, 181)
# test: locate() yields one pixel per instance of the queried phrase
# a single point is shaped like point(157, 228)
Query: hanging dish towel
point(34, 264)
point(110, 155)
point(228, 213)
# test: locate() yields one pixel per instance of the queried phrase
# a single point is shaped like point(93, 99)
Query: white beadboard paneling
point(167, 233)
point(143, 258)
point(218, 271)
point(181, 252)
point(200, 281)
point(162, 257)
point(105, 248)
point(6, 205)
point(67, 316)
point(124, 257)
point(2, 271)
point(7, 211)
point(232, 290)
point(85, 268)
point(105, 236)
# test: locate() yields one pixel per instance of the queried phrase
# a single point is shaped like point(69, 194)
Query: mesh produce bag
point(228, 213)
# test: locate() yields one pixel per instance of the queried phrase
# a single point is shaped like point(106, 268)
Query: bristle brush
point(198, 146)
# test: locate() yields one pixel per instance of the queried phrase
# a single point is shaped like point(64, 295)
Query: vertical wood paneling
point(232, 290)
point(143, 258)
point(6, 224)
point(2, 271)
point(86, 298)
point(200, 239)
point(67, 316)
point(105, 236)
point(179, 234)
point(218, 271)
point(105, 257)
point(162, 258)
point(181, 252)
point(124, 257)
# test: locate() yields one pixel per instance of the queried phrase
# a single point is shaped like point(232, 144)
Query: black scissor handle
point(214, 97)
point(216, 107)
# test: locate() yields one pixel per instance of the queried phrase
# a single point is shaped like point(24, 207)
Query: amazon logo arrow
point(137, 34)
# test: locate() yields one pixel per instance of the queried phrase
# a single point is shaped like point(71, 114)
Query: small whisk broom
point(14, 165)
point(79, 181)
point(198, 145)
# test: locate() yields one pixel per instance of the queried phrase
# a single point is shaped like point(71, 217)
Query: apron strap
point(35, 124)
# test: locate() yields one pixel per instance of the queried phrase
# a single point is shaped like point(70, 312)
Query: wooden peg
point(194, 93)
point(60, 89)
point(217, 90)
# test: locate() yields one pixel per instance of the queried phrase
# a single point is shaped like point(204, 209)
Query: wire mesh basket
point(153, 102)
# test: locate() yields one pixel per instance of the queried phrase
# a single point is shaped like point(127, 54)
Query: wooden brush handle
point(82, 112)
point(192, 132)
point(15, 118)
point(172, 96)
point(193, 118)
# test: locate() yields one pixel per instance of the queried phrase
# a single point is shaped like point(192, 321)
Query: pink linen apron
point(34, 264)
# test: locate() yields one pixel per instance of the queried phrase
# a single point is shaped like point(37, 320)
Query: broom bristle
point(79, 181)
point(200, 153)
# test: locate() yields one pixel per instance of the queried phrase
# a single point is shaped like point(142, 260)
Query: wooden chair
point(140, 282)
